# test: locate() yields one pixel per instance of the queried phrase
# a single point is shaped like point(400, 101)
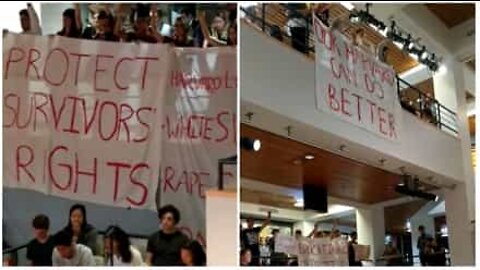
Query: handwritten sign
point(353, 86)
point(314, 252)
point(118, 124)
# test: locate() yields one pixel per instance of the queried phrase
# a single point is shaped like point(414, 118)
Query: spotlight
point(407, 42)
point(309, 157)
point(353, 17)
point(250, 144)
point(422, 54)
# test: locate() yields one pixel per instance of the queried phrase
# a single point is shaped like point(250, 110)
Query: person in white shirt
point(68, 253)
point(29, 21)
point(124, 254)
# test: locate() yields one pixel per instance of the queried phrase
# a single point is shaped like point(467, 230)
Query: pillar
point(222, 228)
point(461, 236)
point(371, 230)
point(305, 226)
point(450, 90)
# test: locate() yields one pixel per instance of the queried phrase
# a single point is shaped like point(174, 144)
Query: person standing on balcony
point(250, 238)
point(29, 21)
point(297, 28)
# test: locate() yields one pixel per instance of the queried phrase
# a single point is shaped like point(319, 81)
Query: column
point(461, 236)
point(222, 228)
point(371, 230)
point(450, 88)
point(305, 226)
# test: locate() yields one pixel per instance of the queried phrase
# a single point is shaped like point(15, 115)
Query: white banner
point(118, 124)
point(352, 85)
point(314, 252)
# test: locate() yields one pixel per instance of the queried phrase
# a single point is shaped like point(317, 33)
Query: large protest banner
point(354, 86)
point(125, 125)
point(314, 252)
point(199, 128)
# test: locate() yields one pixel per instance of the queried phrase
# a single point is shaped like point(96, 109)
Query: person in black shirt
point(422, 242)
point(163, 247)
point(351, 250)
point(39, 250)
point(250, 239)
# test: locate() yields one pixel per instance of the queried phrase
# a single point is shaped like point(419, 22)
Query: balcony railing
point(272, 20)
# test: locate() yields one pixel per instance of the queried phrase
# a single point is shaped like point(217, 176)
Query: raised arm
point(266, 221)
point(314, 231)
point(153, 23)
point(120, 14)
point(206, 34)
point(78, 16)
point(34, 21)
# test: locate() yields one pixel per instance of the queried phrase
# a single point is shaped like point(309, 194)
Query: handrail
point(436, 113)
point(14, 249)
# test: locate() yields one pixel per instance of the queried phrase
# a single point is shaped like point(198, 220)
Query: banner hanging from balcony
point(123, 125)
point(353, 85)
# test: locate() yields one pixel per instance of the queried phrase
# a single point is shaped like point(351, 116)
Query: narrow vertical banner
point(199, 129)
point(354, 86)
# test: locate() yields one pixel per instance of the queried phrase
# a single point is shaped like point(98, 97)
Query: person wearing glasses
point(163, 247)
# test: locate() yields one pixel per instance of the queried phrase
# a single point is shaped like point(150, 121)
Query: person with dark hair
point(232, 35)
point(422, 244)
point(72, 23)
point(67, 253)
point(163, 247)
point(245, 257)
point(250, 239)
point(179, 37)
point(351, 250)
point(192, 254)
point(297, 28)
point(82, 232)
point(118, 250)
point(298, 234)
point(29, 21)
point(104, 27)
point(40, 249)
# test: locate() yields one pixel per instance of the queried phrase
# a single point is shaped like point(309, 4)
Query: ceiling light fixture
point(309, 157)
point(250, 144)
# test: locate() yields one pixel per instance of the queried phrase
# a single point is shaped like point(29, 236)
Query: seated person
point(68, 253)
point(40, 249)
point(192, 254)
point(83, 233)
point(124, 254)
point(163, 247)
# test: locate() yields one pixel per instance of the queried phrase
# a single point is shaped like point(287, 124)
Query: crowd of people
point(255, 252)
point(144, 23)
point(298, 29)
point(77, 244)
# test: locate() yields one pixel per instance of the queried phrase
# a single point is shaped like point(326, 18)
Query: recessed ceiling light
point(297, 162)
point(309, 156)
